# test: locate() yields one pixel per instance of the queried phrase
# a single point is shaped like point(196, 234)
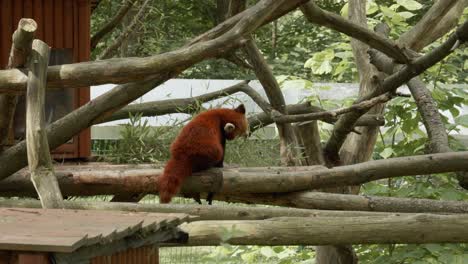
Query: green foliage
point(261, 254)
point(404, 137)
point(139, 143)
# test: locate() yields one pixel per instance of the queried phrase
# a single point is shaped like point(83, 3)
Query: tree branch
point(422, 33)
point(316, 15)
point(107, 53)
point(364, 105)
point(263, 119)
point(112, 23)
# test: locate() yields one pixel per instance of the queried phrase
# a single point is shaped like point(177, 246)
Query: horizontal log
point(127, 180)
point(121, 179)
point(201, 212)
point(349, 202)
point(400, 229)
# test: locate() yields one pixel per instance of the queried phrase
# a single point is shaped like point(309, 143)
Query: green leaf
point(324, 68)
point(406, 14)
point(410, 4)
point(448, 194)
point(371, 8)
point(386, 153)
point(387, 11)
point(344, 11)
point(267, 252)
point(462, 120)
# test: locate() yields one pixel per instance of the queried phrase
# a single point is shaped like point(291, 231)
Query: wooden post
point(39, 160)
point(19, 53)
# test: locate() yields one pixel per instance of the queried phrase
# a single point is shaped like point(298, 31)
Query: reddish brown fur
point(199, 146)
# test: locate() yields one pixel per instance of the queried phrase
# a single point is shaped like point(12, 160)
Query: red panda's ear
point(240, 109)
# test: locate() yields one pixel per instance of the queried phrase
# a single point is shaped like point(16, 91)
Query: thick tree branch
point(422, 33)
point(405, 229)
point(107, 53)
point(135, 69)
point(78, 180)
point(351, 202)
point(112, 23)
point(316, 15)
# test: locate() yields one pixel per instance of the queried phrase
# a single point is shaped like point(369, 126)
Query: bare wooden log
point(78, 184)
point(349, 202)
point(94, 181)
point(127, 70)
point(63, 129)
point(112, 23)
point(407, 229)
point(39, 160)
point(200, 212)
point(20, 50)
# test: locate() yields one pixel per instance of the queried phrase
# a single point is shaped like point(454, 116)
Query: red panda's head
point(236, 123)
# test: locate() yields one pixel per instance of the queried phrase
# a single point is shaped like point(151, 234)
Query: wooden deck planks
point(58, 230)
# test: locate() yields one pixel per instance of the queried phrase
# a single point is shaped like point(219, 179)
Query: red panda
point(200, 145)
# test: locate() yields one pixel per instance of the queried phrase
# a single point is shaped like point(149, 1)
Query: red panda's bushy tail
point(170, 181)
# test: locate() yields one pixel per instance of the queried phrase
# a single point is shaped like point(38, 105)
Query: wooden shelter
point(65, 26)
point(85, 236)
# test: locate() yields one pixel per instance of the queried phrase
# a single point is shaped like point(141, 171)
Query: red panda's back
point(201, 132)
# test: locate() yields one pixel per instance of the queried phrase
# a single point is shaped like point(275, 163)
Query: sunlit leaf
point(410, 4)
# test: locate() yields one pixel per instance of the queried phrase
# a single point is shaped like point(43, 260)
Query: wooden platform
point(59, 230)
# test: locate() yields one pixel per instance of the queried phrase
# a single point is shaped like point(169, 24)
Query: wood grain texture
point(58, 230)
point(39, 160)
